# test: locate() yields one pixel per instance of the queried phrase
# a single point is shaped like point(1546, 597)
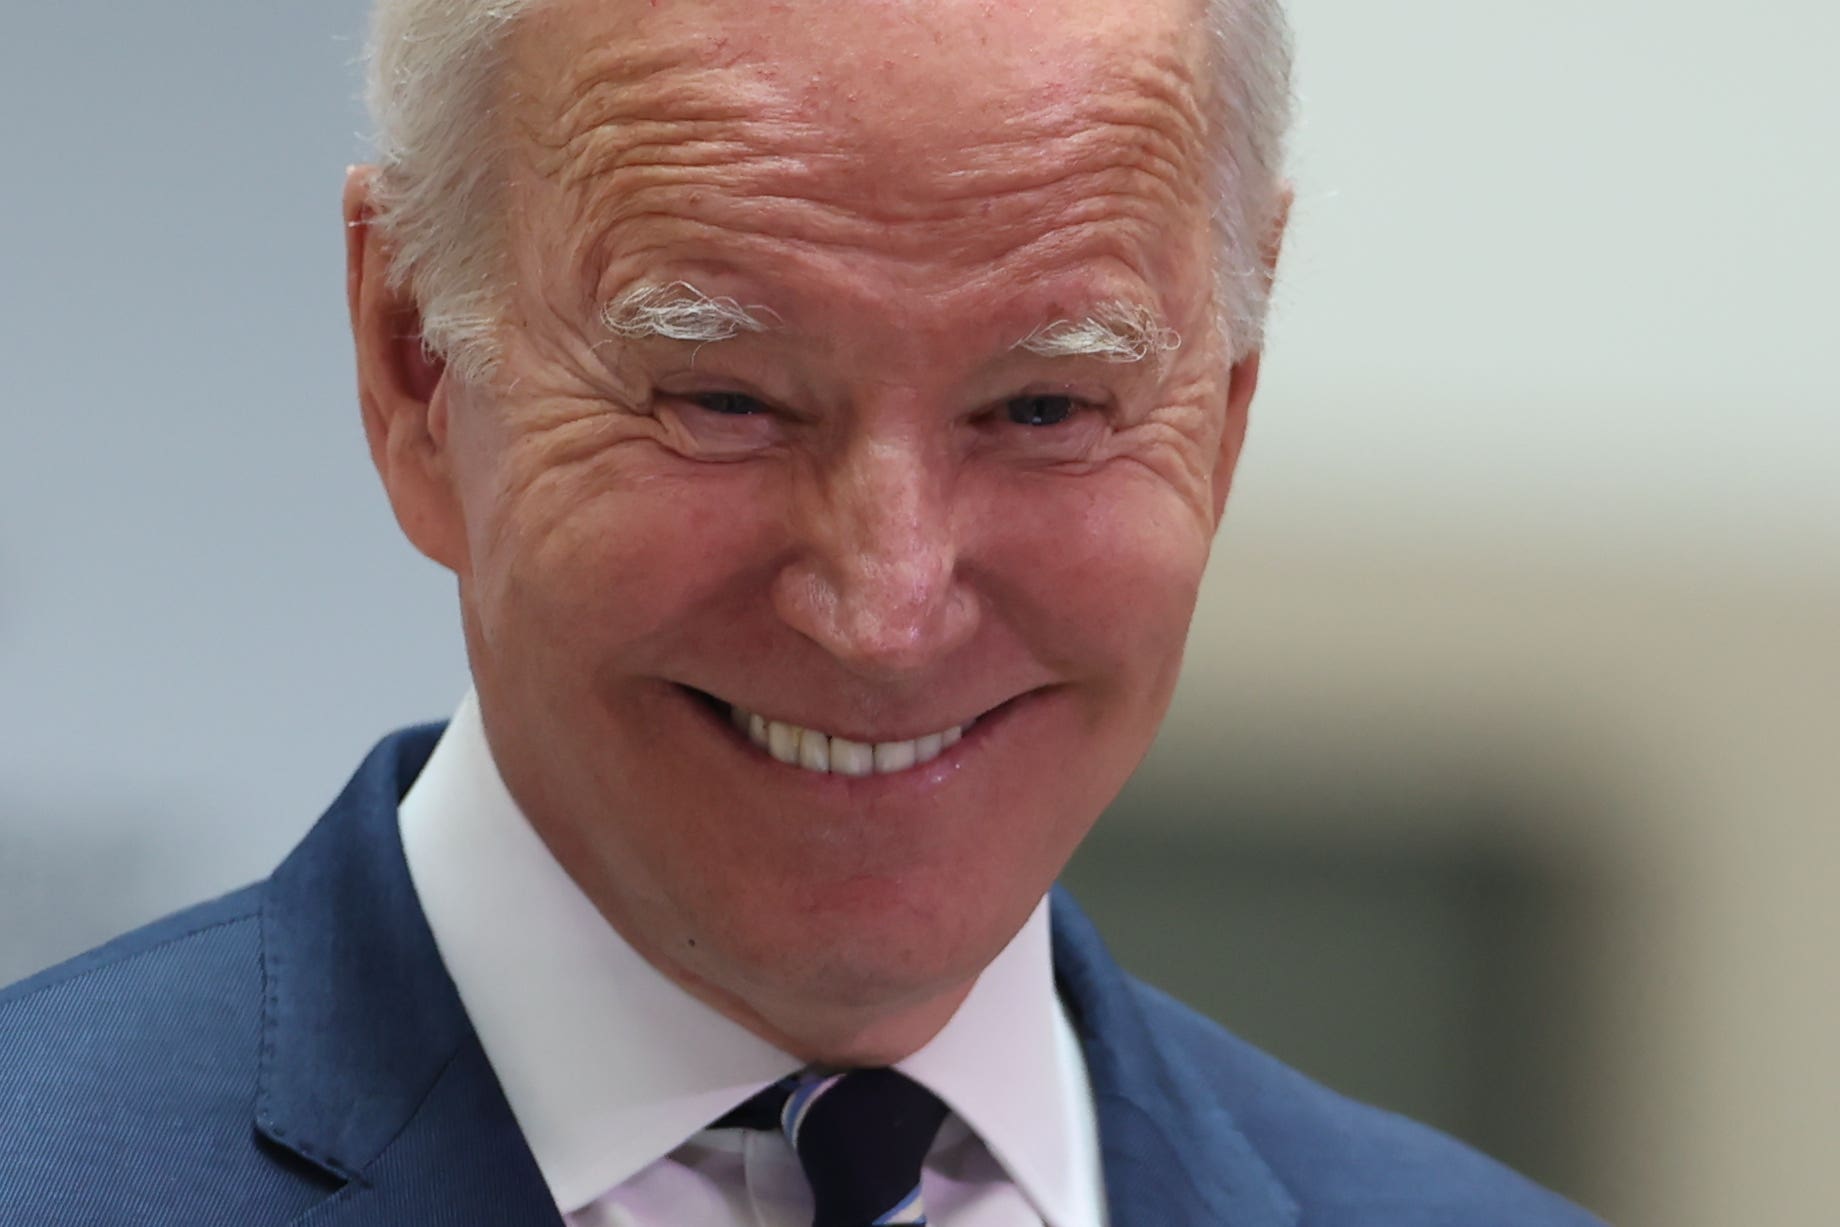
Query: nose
point(875, 580)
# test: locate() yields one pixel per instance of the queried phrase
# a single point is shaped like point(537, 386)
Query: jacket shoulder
point(131, 1071)
point(151, 941)
point(1346, 1162)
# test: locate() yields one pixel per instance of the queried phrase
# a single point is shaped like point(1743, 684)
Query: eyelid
point(766, 407)
point(706, 435)
point(700, 383)
point(1081, 390)
point(680, 383)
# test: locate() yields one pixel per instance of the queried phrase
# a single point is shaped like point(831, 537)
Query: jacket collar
point(1170, 1154)
point(371, 1073)
point(368, 1062)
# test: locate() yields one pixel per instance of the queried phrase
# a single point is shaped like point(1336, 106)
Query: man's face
point(875, 517)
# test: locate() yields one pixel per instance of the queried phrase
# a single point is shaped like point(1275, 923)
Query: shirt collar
point(1008, 1063)
point(609, 1066)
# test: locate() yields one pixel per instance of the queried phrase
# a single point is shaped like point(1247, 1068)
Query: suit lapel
point(370, 1071)
point(459, 1162)
point(1171, 1156)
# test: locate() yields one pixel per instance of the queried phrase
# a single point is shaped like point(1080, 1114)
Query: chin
point(865, 947)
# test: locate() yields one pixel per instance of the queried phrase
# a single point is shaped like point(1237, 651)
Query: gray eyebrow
point(679, 311)
point(1114, 332)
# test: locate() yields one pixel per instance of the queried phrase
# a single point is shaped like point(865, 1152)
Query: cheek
point(1104, 568)
point(599, 559)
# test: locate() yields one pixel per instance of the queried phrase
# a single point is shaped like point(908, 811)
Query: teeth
point(851, 757)
point(783, 741)
point(816, 751)
point(892, 756)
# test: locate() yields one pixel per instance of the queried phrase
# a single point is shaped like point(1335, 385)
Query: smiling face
point(871, 503)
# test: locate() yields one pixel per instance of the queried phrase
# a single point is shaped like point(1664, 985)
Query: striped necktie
point(861, 1137)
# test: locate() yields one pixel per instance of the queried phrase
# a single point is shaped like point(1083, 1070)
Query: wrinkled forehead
point(862, 66)
point(948, 132)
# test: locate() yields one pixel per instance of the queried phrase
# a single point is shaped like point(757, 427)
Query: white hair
point(1115, 332)
point(679, 312)
point(434, 71)
point(434, 76)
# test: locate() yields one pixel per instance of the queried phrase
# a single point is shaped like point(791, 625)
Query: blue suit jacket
point(294, 1053)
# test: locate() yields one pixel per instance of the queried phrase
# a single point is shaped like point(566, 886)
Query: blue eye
point(726, 404)
point(1040, 410)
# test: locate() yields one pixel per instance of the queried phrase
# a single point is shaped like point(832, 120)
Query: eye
point(726, 404)
point(1042, 410)
point(717, 424)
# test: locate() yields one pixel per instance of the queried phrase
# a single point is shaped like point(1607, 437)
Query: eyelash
point(702, 400)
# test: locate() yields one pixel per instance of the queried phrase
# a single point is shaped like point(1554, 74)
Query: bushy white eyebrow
point(679, 312)
point(1115, 332)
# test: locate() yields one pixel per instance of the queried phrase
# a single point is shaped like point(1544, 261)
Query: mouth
point(826, 753)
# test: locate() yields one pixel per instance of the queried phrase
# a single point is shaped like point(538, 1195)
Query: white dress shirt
point(614, 1072)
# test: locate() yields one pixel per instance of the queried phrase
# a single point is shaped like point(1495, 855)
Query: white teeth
point(816, 751)
point(851, 757)
point(892, 756)
point(783, 741)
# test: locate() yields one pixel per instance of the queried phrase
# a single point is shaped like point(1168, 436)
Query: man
point(826, 409)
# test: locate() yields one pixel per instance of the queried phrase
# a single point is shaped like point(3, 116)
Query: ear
point(402, 388)
point(1243, 380)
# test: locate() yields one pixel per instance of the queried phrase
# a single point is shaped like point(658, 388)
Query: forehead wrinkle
point(1099, 231)
point(651, 96)
point(772, 155)
point(1174, 84)
point(927, 260)
point(651, 73)
point(631, 109)
point(665, 148)
point(1148, 111)
point(1119, 141)
point(991, 206)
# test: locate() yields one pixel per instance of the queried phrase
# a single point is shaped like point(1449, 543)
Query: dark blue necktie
point(861, 1137)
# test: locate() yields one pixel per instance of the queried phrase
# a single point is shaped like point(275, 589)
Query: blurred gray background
point(1501, 787)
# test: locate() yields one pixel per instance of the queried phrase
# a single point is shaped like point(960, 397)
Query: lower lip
point(950, 762)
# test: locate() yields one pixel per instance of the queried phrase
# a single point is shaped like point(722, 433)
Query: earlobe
point(402, 388)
